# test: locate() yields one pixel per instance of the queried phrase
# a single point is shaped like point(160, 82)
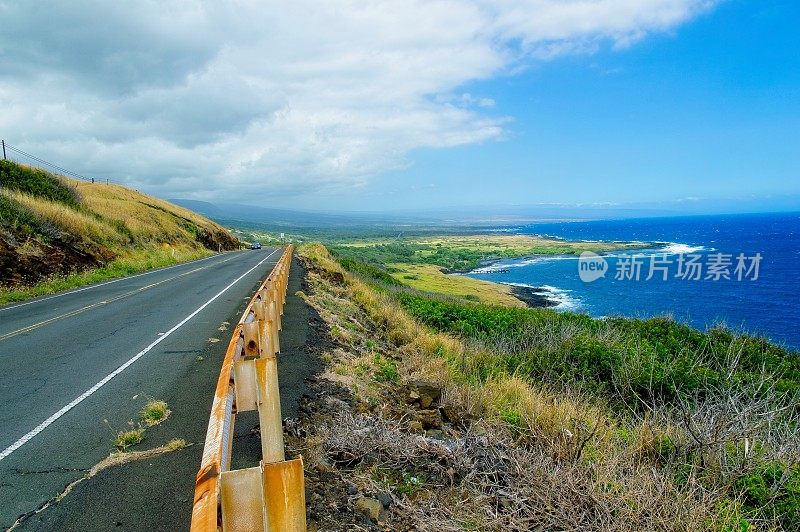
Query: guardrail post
point(260, 307)
point(273, 328)
point(252, 339)
point(242, 501)
point(278, 312)
point(269, 410)
point(284, 286)
point(285, 495)
point(270, 497)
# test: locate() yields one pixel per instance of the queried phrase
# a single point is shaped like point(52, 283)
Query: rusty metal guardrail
point(271, 496)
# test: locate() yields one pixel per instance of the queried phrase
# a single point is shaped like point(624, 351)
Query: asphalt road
point(77, 368)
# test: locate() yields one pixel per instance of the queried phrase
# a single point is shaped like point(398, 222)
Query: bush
point(36, 183)
point(773, 487)
point(368, 270)
point(128, 438)
point(624, 359)
point(386, 370)
point(15, 216)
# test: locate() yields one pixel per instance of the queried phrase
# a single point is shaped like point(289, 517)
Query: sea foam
point(675, 248)
point(561, 297)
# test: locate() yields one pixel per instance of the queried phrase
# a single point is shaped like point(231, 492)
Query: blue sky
point(406, 104)
point(709, 110)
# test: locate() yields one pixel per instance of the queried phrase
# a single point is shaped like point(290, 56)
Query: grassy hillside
point(57, 232)
point(428, 278)
point(557, 421)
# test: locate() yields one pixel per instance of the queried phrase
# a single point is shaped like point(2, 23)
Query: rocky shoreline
point(536, 297)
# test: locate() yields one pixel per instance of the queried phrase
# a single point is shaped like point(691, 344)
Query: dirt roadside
point(157, 493)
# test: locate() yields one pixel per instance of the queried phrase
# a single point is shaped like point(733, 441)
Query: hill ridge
point(54, 227)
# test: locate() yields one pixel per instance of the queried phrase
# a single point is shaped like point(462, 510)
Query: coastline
point(545, 296)
point(534, 297)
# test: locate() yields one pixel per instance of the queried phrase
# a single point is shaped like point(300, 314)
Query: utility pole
point(4, 151)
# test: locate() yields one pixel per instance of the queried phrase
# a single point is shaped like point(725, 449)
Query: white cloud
point(241, 99)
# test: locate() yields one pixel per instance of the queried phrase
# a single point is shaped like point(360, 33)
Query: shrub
point(625, 359)
point(773, 487)
point(15, 216)
point(369, 270)
point(155, 412)
point(128, 438)
point(386, 370)
point(37, 183)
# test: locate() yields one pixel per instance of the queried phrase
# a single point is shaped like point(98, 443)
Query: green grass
point(461, 253)
point(136, 262)
point(37, 183)
point(369, 270)
point(16, 217)
point(385, 369)
point(129, 438)
point(653, 357)
point(428, 278)
point(154, 413)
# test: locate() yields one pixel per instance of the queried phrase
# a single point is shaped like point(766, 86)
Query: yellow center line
point(71, 313)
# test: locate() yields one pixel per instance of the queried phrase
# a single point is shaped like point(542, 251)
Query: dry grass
point(67, 219)
point(149, 219)
point(104, 232)
point(485, 480)
point(557, 459)
point(118, 217)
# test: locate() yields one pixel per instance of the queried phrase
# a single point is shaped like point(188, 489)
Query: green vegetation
point(431, 279)
point(649, 419)
point(404, 482)
point(17, 218)
point(129, 438)
point(386, 370)
point(462, 252)
point(369, 270)
point(635, 361)
point(37, 183)
point(155, 412)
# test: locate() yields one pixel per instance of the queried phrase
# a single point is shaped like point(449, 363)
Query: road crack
point(51, 470)
point(114, 459)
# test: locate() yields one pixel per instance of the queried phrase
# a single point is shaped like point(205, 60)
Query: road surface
point(76, 368)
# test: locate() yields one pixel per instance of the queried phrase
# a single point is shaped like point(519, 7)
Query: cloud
point(248, 99)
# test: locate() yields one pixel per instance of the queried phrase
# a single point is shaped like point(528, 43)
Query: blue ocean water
point(768, 305)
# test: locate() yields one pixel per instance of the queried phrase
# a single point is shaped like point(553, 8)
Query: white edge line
point(37, 300)
point(49, 421)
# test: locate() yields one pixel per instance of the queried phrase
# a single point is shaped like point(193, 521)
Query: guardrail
point(271, 496)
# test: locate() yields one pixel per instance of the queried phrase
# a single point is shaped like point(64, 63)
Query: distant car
point(255, 245)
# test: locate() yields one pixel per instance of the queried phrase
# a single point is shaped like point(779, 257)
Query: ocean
point(682, 274)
